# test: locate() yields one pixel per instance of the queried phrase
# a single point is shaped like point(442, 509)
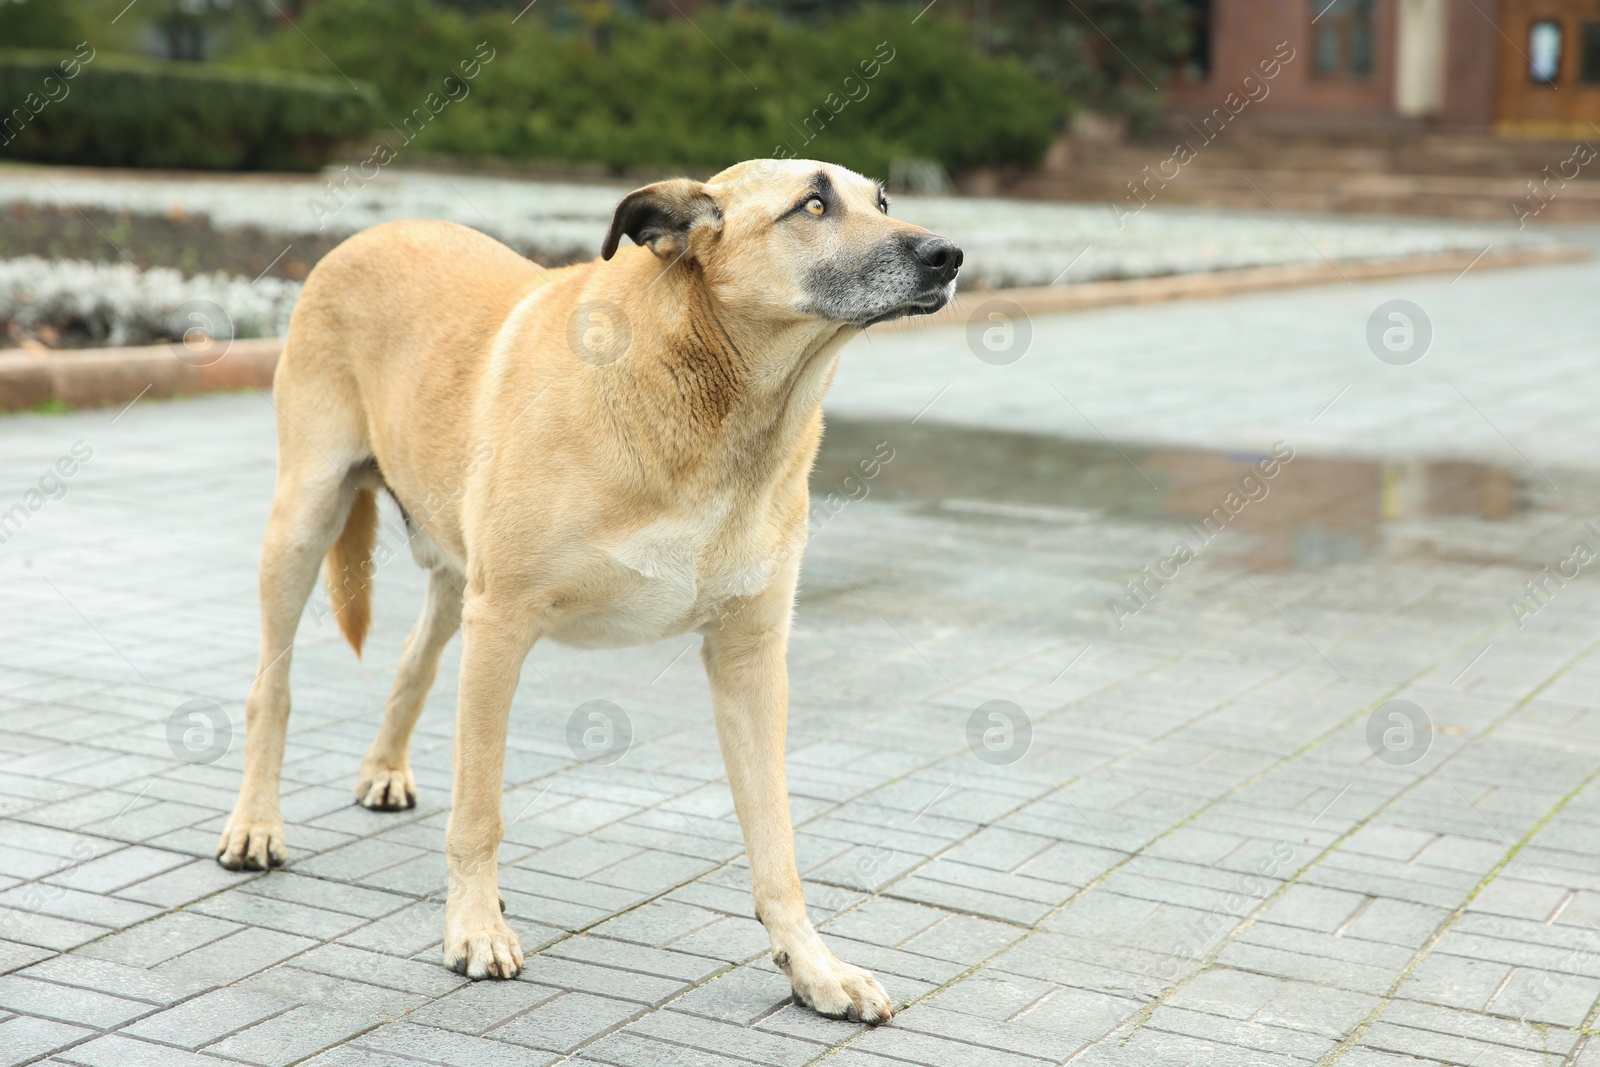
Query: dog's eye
point(883, 206)
point(815, 206)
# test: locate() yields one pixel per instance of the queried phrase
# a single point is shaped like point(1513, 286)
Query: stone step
point(1385, 171)
point(1205, 182)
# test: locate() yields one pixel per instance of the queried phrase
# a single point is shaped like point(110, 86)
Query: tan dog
point(606, 454)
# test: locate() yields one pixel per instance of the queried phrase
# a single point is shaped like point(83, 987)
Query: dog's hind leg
point(309, 509)
point(386, 781)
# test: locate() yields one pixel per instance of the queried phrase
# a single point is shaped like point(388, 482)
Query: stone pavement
point(1510, 368)
point(1338, 810)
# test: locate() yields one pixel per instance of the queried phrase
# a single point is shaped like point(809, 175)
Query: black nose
point(942, 258)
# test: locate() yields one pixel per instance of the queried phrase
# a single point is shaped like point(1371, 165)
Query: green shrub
point(39, 24)
point(678, 95)
point(114, 111)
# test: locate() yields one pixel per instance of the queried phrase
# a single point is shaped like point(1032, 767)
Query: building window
point(1197, 55)
point(1544, 52)
point(1341, 39)
point(1589, 43)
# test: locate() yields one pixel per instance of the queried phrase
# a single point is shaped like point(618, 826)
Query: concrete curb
point(1045, 300)
point(104, 377)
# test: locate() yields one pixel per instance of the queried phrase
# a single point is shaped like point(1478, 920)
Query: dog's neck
point(718, 392)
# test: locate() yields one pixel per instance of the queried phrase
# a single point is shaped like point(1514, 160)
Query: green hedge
point(114, 111)
point(679, 95)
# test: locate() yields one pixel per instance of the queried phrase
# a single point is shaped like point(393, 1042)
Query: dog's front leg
point(744, 658)
point(477, 941)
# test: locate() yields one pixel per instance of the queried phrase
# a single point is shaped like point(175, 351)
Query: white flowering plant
point(117, 304)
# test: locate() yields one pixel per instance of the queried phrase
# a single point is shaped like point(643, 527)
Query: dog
point(606, 454)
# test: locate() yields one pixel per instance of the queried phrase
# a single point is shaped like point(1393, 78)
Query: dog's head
point(793, 239)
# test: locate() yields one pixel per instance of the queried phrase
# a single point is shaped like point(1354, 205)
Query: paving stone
point(742, 995)
point(296, 986)
point(1273, 1040)
point(232, 958)
point(1015, 1037)
point(1165, 1047)
point(623, 956)
point(1314, 908)
point(730, 940)
point(14, 956)
point(793, 1020)
point(24, 1039)
point(351, 1056)
point(1547, 997)
point(66, 903)
point(1455, 981)
point(1521, 898)
point(161, 939)
point(885, 922)
point(121, 868)
point(481, 1006)
point(184, 885)
point(657, 923)
point(626, 1050)
point(1306, 967)
point(32, 927)
point(562, 1023)
point(428, 978)
point(964, 939)
point(250, 909)
point(1396, 922)
point(87, 972)
point(207, 1018)
point(1448, 1048)
point(292, 1036)
point(448, 1047)
point(405, 932)
point(993, 994)
point(68, 1004)
point(114, 1050)
point(727, 1039)
point(1080, 1013)
point(321, 893)
point(583, 977)
point(937, 1051)
point(1515, 1033)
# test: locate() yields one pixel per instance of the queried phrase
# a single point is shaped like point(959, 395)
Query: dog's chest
point(671, 576)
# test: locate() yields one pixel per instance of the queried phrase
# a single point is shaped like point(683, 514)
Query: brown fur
point(348, 566)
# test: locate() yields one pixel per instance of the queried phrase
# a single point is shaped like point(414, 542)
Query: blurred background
point(1424, 108)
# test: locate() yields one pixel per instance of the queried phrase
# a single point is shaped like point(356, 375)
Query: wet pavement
point(1199, 688)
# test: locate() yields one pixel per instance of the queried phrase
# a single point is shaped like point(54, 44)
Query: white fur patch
point(673, 578)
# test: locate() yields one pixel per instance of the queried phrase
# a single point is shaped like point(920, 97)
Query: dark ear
point(660, 217)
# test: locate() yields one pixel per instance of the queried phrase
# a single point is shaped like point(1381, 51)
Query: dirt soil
point(188, 243)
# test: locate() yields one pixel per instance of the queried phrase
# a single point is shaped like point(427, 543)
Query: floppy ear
point(660, 217)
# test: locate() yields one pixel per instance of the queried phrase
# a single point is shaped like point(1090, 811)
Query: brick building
point(1528, 67)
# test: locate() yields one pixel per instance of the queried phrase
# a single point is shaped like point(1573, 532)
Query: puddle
point(1277, 510)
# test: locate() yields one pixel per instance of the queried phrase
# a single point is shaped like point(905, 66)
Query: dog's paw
point(482, 949)
point(251, 844)
point(386, 788)
point(833, 988)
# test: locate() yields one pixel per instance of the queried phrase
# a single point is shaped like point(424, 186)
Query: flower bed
point(75, 304)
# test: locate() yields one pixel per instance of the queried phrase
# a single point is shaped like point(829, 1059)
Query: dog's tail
point(347, 570)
